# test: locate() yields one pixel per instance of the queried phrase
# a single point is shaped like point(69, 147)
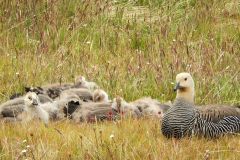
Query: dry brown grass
point(130, 49)
point(128, 139)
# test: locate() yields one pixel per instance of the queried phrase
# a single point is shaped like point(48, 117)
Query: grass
point(130, 48)
point(128, 139)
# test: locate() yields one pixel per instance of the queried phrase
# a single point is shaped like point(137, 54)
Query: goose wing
point(12, 111)
point(215, 113)
point(90, 112)
point(12, 107)
point(82, 93)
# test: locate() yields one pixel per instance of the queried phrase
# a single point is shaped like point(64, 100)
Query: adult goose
point(184, 119)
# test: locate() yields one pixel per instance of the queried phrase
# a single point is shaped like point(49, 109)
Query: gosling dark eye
point(185, 79)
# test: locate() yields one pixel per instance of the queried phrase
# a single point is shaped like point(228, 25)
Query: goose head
point(119, 104)
point(185, 86)
point(100, 95)
point(31, 99)
point(122, 106)
point(80, 80)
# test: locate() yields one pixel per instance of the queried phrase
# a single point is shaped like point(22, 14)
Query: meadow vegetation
point(131, 48)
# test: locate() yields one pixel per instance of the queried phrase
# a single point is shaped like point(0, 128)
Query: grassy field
point(130, 48)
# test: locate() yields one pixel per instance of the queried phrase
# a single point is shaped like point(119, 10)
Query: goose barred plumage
point(179, 120)
point(184, 119)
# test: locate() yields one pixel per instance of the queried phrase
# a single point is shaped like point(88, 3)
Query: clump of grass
point(131, 49)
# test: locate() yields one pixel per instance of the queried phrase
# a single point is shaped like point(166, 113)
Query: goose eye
point(185, 79)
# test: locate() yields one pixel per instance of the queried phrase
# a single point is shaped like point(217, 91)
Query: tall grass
point(131, 48)
point(128, 49)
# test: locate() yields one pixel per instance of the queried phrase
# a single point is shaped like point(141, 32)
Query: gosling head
point(118, 103)
point(185, 86)
point(31, 99)
point(100, 95)
point(80, 79)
